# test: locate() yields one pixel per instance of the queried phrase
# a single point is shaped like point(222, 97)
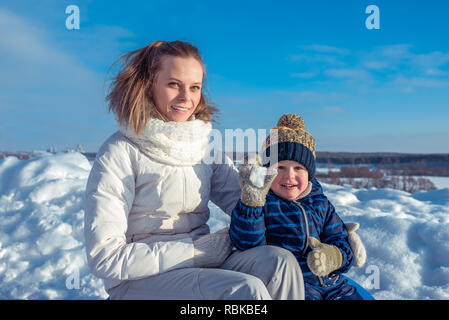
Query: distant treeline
point(400, 164)
point(25, 155)
point(364, 177)
point(18, 155)
point(383, 159)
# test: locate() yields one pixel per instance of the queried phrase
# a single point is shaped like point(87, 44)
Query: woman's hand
point(211, 250)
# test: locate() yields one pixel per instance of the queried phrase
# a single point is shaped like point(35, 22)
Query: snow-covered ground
point(439, 182)
point(41, 233)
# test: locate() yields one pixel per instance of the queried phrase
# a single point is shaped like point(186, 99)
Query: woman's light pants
point(260, 273)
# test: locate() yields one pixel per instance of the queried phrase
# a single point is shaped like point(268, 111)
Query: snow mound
point(406, 239)
point(42, 254)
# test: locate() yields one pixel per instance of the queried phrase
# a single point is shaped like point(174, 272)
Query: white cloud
point(20, 38)
point(48, 92)
point(375, 65)
point(395, 51)
point(436, 72)
point(29, 53)
point(386, 65)
point(400, 56)
point(316, 59)
point(29, 58)
point(420, 82)
point(304, 75)
point(298, 97)
point(332, 110)
point(348, 73)
point(326, 49)
point(430, 60)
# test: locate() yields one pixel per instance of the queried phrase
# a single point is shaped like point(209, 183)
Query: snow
point(439, 182)
point(41, 233)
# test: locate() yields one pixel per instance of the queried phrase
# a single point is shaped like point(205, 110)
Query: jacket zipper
point(184, 191)
point(307, 236)
point(307, 227)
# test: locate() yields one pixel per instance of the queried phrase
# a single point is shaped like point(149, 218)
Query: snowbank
point(41, 234)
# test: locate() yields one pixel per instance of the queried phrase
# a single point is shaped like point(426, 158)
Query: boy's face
point(291, 181)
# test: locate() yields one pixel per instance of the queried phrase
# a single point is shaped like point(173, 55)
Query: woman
point(147, 195)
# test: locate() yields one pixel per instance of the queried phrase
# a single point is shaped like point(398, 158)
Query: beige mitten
point(211, 250)
point(255, 181)
point(356, 244)
point(324, 258)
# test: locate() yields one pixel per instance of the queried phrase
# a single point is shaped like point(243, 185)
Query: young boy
point(289, 209)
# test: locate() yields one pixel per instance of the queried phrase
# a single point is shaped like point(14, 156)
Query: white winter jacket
point(147, 196)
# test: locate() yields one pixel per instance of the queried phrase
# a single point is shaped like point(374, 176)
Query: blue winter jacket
point(282, 222)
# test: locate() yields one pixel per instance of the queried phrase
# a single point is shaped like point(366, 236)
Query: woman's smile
point(180, 109)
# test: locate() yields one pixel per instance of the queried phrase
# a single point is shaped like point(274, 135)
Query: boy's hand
point(324, 258)
point(255, 182)
point(358, 249)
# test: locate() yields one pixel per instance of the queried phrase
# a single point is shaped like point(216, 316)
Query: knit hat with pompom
point(292, 142)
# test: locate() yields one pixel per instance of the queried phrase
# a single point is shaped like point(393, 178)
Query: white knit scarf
point(172, 143)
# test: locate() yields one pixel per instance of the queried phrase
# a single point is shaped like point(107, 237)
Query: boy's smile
point(291, 181)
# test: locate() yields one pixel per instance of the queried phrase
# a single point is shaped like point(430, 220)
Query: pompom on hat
point(290, 140)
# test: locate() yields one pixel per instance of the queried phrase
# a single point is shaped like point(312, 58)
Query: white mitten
point(324, 258)
point(255, 182)
point(211, 250)
point(356, 244)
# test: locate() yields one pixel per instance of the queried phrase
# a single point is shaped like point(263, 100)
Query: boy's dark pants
point(340, 290)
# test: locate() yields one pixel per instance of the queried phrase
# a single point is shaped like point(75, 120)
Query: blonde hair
point(130, 93)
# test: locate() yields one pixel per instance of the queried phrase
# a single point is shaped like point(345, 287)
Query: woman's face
point(291, 181)
point(177, 88)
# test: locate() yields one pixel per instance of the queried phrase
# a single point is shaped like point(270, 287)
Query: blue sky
point(358, 90)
